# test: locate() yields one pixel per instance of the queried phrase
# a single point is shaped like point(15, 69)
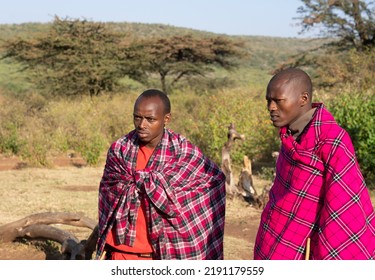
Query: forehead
point(280, 89)
point(149, 104)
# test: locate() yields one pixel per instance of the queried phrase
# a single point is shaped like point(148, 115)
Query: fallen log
point(38, 226)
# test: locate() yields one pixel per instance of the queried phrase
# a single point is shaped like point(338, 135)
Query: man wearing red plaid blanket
point(159, 197)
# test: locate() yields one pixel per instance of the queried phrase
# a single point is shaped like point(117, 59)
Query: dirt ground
point(242, 220)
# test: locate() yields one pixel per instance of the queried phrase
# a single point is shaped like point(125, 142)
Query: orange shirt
point(142, 243)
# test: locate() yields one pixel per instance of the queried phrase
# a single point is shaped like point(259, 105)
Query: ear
point(305, 98)
point(167, 118)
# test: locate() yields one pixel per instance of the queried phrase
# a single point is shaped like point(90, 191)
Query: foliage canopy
point(176, 57)
point(350, 21)
point(349, 26)
point(74, 58)
point(78, 57)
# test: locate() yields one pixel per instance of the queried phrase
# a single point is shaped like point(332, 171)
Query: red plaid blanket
point(184, 192)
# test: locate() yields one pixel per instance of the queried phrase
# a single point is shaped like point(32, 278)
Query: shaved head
point(294, 78)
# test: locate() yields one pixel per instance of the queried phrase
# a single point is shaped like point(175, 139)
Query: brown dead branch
point(246, 185)
point(245, 182)
point(38, 226)
point(232, 135)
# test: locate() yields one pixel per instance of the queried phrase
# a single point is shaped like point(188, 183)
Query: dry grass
point(66, 189)
point(70, 189)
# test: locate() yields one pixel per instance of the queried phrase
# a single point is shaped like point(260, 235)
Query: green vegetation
point(36, 126)
point(73, 58)
point(348, 51)
point(77, 58)
point(351, 23)
point(181, 57)
point(89, 125)
point(354, 111)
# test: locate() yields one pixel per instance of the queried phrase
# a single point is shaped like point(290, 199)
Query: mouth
point(274, 117)
point(142, 134)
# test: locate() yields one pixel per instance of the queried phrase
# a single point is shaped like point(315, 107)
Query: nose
point(271, 106)
point(142, 123)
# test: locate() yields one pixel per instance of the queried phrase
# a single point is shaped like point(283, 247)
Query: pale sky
point(232, 17)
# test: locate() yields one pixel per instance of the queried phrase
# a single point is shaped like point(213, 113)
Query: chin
point(143, 140)
point(280, 123)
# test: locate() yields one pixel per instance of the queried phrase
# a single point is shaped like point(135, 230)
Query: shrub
point(12, 116)
point(10, 142)
point(88, 125)
point(355, 112)
point(92, 147)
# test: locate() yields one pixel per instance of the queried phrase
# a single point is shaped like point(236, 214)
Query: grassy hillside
point(265, 53)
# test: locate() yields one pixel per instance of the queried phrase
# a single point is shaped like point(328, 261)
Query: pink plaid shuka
point(318, 193)
point(184, 194)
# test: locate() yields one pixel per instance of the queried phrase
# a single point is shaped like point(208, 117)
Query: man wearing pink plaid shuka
point(319, 196)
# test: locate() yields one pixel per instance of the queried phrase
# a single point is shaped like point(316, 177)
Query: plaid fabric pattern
point(319, 192)
point(184, 194)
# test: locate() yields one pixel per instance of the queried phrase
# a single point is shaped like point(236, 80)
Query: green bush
point(91, 148)
point(205, 120)
point(10, 142)
point(13, 120)
point(355, 112)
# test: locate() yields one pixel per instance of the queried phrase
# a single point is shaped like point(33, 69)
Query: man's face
point(149, 120)
point(284, 104)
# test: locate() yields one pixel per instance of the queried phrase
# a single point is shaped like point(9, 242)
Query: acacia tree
point(178, 57)
point(74, 58)
point(352, 22)
point(349, 26)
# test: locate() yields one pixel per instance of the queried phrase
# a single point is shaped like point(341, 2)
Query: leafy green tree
point(351, 22)
point(73, 58)
point(177, 57)
point(347, 53)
